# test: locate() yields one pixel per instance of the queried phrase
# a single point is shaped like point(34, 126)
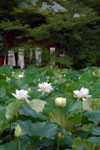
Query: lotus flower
point(82, 93)
point(21, 94)
point(77, 94)
point(45, 87)
point(17, 75)
point(21, 75)
point(60, 101)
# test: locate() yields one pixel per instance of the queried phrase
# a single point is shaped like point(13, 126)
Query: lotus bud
point(29, 89)
point(38, 80)
point(18, 131)
point(60, 102)
point(60, 136)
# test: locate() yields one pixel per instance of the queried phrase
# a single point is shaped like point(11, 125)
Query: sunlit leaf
point(37, 105)
point(12, 109)
point(3, 126)
point(87, 145)
point(65, 121)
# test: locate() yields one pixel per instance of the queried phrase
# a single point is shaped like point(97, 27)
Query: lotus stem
point(19, 145)
point(10, 132)
point(58, 144)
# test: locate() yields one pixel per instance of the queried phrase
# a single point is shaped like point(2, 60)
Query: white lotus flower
point(82, 93)
point(45, 87)
point(17, 75)
point(85, 92)
point(21, 75)
point(21, 94)
point(60, 101)
point(77, 94)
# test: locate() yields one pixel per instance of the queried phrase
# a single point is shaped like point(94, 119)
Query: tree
point(16, 18)
point(21, 19)
point(7, 7)
point(76, 36)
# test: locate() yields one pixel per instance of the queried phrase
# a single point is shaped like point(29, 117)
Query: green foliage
point(14, 145)
point(3, 126)
point(2, 112)
point(12, 25)
point(66, 122)
point(6, 70)
point(77, 37)
point(6, 7)
point(82, 144)
point(28, 112)
point(39, 117)
point(39, 129)
point(12, 110)
point(37, 105)
point(65, 61)
point(92, 115)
